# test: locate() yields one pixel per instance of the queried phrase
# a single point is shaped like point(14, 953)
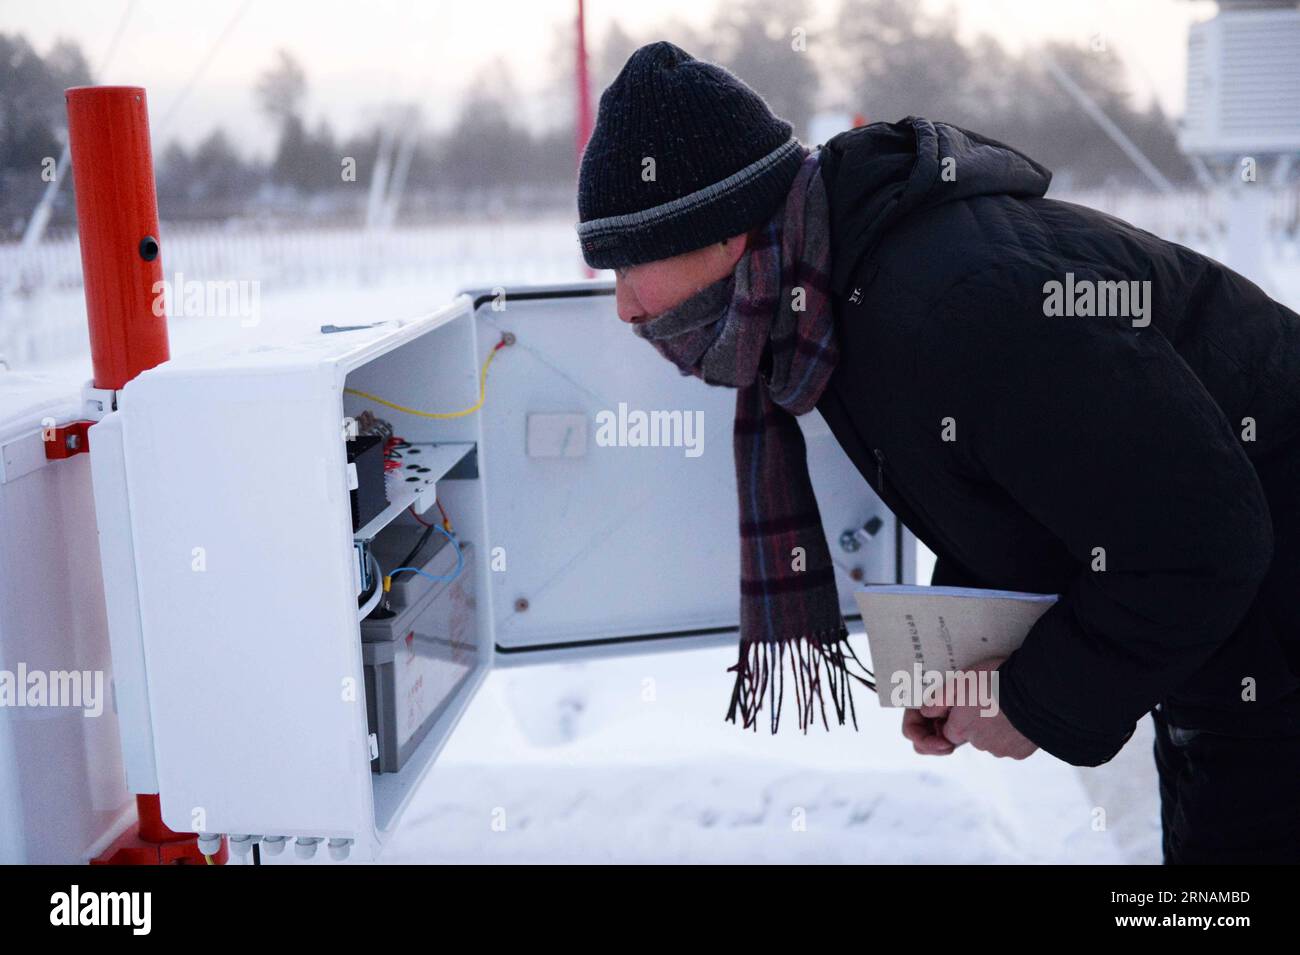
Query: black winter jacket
point(1168, 450)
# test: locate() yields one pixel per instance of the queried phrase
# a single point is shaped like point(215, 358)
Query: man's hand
point(926, 733)
point(991, 734)
point(938, 730)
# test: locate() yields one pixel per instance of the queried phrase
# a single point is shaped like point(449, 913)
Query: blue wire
point(460, 559)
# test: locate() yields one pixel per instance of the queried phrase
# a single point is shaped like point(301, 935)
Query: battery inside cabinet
point(419, 648)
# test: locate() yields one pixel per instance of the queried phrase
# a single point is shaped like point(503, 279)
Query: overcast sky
point(357, 54)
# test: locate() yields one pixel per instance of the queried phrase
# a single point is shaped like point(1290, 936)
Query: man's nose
point(629, 309)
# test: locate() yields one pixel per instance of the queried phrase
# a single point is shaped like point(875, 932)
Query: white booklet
point(920, 630)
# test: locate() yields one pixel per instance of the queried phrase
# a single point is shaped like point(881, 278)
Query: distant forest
point(879, 59)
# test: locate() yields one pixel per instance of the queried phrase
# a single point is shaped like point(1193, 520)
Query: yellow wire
point(208, 859)
point(482, 396)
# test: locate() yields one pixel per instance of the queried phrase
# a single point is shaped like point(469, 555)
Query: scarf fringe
point(820, 665)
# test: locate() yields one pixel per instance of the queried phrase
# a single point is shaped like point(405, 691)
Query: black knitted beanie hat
point(683, 155)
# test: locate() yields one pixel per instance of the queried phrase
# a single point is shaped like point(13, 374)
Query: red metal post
point(117, 221)
point(582, 121)
point(152, 843)
point(582, 129)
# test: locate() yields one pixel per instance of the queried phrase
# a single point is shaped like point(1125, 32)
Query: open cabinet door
point(609, 485)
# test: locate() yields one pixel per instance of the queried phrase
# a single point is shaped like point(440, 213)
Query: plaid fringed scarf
point(767, 330)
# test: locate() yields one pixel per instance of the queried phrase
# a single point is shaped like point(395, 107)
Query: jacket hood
point(877, 175)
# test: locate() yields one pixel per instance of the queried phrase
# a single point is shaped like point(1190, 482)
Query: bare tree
point(282, 88)
point(766, 43)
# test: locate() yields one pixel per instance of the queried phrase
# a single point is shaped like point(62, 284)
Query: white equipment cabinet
point(1243, 81)
point(63, 794)
point(222, 493)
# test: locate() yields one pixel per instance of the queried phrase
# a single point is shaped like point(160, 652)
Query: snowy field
point(570, 763)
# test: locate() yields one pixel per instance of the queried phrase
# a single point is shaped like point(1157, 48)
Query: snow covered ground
point(578, 763)
point(574, 763)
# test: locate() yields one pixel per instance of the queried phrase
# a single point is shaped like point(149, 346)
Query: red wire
point(446, 521)
point(391, 463)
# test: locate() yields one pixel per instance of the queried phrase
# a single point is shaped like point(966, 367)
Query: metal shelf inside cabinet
point(415, 482)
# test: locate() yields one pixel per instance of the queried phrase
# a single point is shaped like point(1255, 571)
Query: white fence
point(301, 257)
point(1199, 219)
point(42, 318)
point(42, 315)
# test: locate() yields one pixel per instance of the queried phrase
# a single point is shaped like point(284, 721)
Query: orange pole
point(117, 223)
point(582, 126)
point(582, 118)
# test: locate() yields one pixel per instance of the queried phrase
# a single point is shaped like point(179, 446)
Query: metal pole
point(582, 131)
point(117, 225)
point(582, 121)
point(1117, 135)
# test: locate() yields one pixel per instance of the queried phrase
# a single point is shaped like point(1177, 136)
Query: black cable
point(409, 559)
point(257, 853)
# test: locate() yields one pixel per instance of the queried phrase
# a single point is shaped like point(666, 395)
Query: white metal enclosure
point(63, 794)
point(1243, 87)
point(222, 496)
